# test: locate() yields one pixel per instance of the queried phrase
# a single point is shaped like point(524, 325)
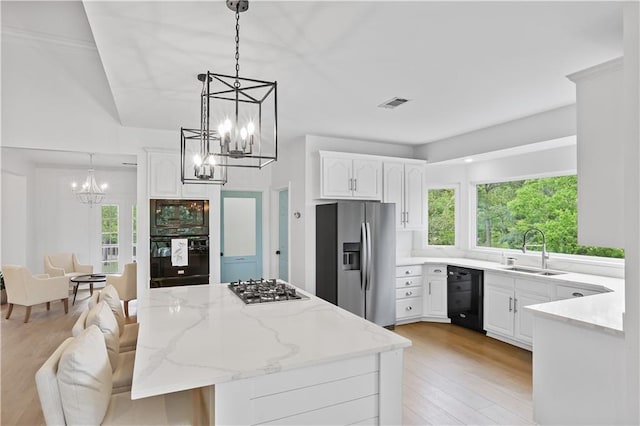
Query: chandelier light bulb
point(227, 125)
point(243, 133)
point(104, 186)
point(74, 185)
point(197, 160)
point(251, 128)
point(221, 129)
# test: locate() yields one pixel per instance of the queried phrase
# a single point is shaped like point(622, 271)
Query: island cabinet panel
point(342, 392)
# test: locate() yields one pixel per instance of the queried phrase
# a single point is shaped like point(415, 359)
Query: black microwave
point(179, 217)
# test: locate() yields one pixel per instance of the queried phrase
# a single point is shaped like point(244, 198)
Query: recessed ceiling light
point(468, 160)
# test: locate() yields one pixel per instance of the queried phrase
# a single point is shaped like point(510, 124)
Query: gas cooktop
point(265, 291)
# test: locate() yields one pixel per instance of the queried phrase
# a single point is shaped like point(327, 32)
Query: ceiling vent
point(393, 103)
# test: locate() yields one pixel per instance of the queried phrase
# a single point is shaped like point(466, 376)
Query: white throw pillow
point(110, 295)
point(102, 317)
point(84, 379)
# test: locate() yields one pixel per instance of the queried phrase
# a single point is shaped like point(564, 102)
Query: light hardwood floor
point(451, 375)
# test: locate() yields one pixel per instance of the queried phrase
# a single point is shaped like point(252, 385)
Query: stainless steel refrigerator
point(355, 258)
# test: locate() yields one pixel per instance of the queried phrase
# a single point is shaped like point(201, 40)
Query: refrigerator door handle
point(369, 254)
point(364, 259)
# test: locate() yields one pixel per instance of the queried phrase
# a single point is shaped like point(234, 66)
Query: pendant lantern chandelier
point(244, 113)
point(90, 192)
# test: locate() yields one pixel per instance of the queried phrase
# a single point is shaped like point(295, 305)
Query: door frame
point(274, 240)
point(260, 222)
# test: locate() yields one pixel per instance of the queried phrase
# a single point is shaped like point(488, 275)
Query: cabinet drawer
point(408, 282)
point(403, 293)
point(563, 292)
point(408, 271)
point(498, 280)
point(406, 308)
point(440, 270)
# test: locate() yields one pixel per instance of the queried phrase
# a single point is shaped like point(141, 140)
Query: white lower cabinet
point(504, 300)
point(435, 292)
point(409, 293)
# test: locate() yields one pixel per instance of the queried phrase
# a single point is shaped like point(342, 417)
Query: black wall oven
point(183, 224)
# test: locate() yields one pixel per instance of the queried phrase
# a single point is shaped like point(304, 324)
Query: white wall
point(631, 135)
point(63, 224)
point(548, 125)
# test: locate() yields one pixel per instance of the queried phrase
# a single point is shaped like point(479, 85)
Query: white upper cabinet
point(350, 176)
point(164, 178)
point(404, 186)
point(599, 99)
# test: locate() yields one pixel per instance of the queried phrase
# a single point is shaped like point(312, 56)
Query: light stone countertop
point(195, 336)
point(602, 311)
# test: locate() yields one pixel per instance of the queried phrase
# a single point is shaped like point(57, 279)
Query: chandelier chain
point(237, 82)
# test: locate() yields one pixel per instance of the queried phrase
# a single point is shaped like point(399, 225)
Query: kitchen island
point(289, 362)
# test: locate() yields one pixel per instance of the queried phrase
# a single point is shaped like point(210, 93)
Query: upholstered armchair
point(65, 265)
point(28, 290)
point(125, 284)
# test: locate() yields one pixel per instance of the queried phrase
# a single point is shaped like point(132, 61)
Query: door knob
point(277, 251)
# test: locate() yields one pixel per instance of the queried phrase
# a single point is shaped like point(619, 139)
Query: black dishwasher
point(465, 296)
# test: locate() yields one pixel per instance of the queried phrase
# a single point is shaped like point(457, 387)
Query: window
point(110, 238)
point(505, 210)
point(134, 232)
point(442, 217)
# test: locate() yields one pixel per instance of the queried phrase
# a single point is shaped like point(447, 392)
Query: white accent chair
point(75, 387)
point(65, 265)
point(26, 289)
point(125, 284)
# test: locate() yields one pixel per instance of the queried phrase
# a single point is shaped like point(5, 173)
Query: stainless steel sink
point(533, 271)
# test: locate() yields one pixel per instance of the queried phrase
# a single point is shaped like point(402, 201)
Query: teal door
point(240, 235)
point(283, 235)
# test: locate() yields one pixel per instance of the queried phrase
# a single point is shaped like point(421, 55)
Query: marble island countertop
point(197, 336)
point(603, 311)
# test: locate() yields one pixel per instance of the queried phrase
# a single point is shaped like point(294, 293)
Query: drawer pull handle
point(577, 294)
point(407, 272)
point(437, 271)
point(510, 300)
point(409, 308)
point(515, 305)
point(409, 293)
point(407, 283)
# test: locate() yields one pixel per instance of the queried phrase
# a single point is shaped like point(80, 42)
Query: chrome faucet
point(545, 255)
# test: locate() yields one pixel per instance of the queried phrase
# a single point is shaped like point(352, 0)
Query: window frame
point(456, 220)
point(533, 254)
point(103, 263)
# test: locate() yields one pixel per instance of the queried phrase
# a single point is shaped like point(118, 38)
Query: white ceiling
point(464, 65)
point(71, 159)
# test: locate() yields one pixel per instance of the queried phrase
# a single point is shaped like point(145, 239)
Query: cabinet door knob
point(407, 272)
point(407, 283)
point(409, 293)
point(409, 308)
point(577, 294)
